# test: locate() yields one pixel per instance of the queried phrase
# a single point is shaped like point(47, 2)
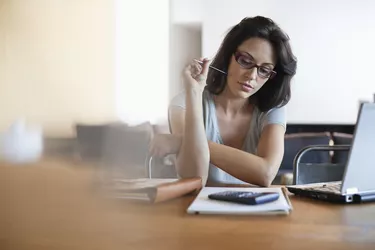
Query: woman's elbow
point(267, 176)
point(193, 168)
point(265, 182)
point(188, 173)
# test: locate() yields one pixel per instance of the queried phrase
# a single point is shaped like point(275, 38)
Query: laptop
point(358, 183)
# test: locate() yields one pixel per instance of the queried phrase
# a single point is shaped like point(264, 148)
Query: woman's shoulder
point(277, 110)
point(277, 115)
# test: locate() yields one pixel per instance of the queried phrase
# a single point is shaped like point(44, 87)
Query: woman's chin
point(238, 93)
point(243, 94)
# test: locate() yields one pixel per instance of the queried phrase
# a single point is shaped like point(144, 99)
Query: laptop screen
point(360, 170)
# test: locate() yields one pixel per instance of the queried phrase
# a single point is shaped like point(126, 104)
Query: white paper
point(203, 205)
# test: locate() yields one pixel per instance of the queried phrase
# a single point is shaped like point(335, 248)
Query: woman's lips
point(246, 87)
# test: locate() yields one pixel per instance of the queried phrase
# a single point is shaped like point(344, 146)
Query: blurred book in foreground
point(151, 190)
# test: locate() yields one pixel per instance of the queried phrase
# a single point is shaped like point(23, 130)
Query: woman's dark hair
point(276, 92)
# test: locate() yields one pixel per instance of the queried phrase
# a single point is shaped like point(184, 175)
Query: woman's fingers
point(205, 66)
point(196, 74)
point(195, 69)
point(200, 69)
point(188, 72)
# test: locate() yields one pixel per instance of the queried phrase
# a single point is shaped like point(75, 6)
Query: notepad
point(203, 205)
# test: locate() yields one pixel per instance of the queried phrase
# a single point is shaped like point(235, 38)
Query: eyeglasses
point(247, 62)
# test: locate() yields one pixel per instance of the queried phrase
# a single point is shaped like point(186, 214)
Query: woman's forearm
point(193, 157)
point(242, 165)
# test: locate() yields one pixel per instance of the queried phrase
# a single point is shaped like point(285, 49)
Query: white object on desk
point(21, 144)
point(203, 205)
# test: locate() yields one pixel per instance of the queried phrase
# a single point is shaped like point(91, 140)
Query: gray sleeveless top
point(257, 123)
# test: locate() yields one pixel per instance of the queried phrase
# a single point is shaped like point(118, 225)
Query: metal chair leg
point(304, 150)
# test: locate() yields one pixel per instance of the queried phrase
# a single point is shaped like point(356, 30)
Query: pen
point(212, 67)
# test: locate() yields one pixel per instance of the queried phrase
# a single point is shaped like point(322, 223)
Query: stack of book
point(151, 190)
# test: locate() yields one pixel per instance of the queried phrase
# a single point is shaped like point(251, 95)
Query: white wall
point(186, 11)
point(56, 63)
point(185, 44)
point(333, 41)
point(142, 60)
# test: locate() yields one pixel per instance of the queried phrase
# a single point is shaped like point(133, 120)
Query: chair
point(156, 162)
point(341, 139)
point(305, 173)
point(90, 140)
point(294, 142)
point(125, 151)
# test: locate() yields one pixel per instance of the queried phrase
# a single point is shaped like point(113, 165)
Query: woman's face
point(250, 67)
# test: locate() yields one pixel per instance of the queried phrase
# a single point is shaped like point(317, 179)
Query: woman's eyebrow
point(268, 64)
point(263, 64)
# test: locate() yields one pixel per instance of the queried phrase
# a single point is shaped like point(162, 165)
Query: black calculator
point(245, 197)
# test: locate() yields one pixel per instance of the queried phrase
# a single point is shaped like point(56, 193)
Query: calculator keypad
point(238, 194)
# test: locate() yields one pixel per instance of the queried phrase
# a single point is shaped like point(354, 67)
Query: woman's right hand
point(195, 75)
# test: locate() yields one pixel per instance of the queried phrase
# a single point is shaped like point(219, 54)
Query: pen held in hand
point(212, 67)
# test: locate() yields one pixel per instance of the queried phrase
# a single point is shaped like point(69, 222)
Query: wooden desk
point(51, 207)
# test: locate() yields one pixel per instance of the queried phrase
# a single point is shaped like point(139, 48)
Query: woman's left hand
point(165, 144)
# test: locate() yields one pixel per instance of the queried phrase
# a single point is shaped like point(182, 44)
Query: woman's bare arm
point(193, 157)
point(258, 169)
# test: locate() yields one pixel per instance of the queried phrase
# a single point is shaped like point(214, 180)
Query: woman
point(229, 128)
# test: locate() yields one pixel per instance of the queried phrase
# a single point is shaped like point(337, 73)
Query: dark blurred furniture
point(319, 128)
point(122, 149)
point(305, 173)
point(89, 140)
point(293, 143)
point(60, 147)
point(341, 157)
point(125, 150)
point(118, 143)
point(168, 171)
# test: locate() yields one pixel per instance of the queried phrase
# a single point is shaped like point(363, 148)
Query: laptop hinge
point(352, 190)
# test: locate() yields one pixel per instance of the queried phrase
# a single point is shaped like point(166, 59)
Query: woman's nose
point(252, 73)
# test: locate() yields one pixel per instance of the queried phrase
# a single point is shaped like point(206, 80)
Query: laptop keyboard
point(330, 187)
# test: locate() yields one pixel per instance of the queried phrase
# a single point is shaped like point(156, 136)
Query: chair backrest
point(90, 139)
point(125, 150)
point(323, 172)
point(162, 167)
point(293, 143)
point(305, 173)
point(341, 157)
